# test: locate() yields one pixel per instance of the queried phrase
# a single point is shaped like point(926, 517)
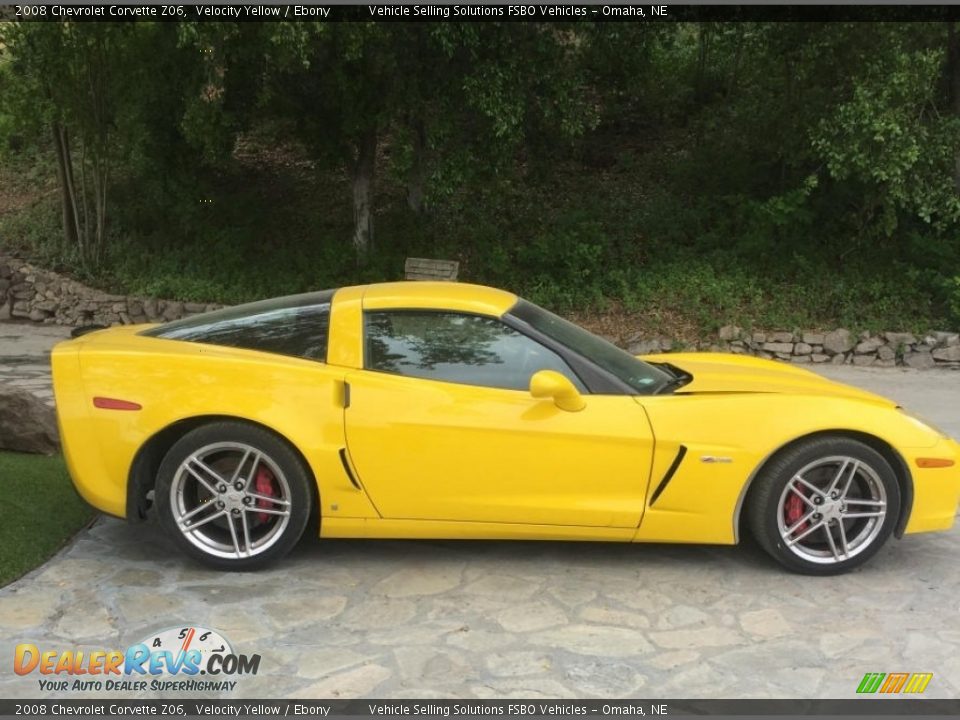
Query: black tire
point(258, 530)
point(803, 527)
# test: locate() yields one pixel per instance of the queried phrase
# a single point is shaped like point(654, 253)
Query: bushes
point(566, 267)
point(761, 173)
point(953, 295)
point(688, 266)
point(711, 294)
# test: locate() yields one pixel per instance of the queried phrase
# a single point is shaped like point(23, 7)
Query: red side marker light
point(114, 404)
point(934, 462)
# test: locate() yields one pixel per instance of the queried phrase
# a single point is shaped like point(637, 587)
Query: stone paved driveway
point(492, 619)
point(24, 356)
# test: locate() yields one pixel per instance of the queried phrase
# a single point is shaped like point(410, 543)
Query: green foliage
point(8, 121)
point(710, 296)
point(889, 136)
point(562, 267)
point(770, 174)
point(953, 290)
point(112, 96)
point(35, 231)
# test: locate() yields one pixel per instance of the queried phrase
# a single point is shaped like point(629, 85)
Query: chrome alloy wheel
point(230, 500)
point(832, 510)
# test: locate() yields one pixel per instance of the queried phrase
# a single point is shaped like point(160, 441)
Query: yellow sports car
point(446, 410)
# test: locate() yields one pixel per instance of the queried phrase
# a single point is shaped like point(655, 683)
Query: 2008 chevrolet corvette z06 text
point(446, 410)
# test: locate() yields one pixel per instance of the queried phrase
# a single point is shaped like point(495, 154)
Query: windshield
point(642, 377)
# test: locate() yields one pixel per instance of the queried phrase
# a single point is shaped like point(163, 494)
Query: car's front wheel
point(233, 496)
point(824, 506)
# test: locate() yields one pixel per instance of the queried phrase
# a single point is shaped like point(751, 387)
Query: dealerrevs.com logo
point(170, 660)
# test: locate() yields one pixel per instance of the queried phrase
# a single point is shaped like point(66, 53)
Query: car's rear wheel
point(824, 506)
point(233, 495)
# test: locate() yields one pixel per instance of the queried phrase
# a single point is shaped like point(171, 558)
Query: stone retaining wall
point(31, 293)
point(839, 347)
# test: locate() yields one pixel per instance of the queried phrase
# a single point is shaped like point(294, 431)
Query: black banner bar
point(527, 709)
point(453, 12)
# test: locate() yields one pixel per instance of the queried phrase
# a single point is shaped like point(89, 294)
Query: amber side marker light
point(934, 462)
point(114, 404)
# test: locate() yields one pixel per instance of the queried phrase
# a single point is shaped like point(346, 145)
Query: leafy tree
point(896, 136)
point(62, 76)
point(446, 98)
point(113, 96)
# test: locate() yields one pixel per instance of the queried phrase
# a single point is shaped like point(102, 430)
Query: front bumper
point(936, 490)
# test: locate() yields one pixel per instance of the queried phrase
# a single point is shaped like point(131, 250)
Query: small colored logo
point(893, 683)
point(187, 652)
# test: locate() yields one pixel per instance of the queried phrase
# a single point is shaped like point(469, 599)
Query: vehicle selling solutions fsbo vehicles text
point(446, 11)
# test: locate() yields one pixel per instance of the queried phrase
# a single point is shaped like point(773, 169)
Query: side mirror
point(551, 384)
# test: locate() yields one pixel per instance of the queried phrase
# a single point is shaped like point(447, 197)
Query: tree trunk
point(68, 196)
point(737, 56)
point(700, 80)
point(362, 180)
point(416, 182)
point(953, 81)
point(703, 52)
point(99, 208)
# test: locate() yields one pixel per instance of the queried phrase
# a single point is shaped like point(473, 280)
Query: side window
point(454, 347)
point(296, 326)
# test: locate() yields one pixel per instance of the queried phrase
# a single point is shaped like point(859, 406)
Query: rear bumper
point(79, 438)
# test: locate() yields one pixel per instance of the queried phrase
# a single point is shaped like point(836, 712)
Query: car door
point(441, 426)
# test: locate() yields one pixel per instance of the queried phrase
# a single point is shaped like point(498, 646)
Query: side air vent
point(669, 475)
point(346, 468)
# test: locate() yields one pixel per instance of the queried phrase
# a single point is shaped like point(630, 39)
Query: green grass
point(41, 513)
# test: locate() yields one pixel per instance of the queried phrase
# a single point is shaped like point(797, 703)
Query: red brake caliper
point(265, 485)
point(793, 510)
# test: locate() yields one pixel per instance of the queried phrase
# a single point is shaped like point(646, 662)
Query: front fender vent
point(669, 474)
